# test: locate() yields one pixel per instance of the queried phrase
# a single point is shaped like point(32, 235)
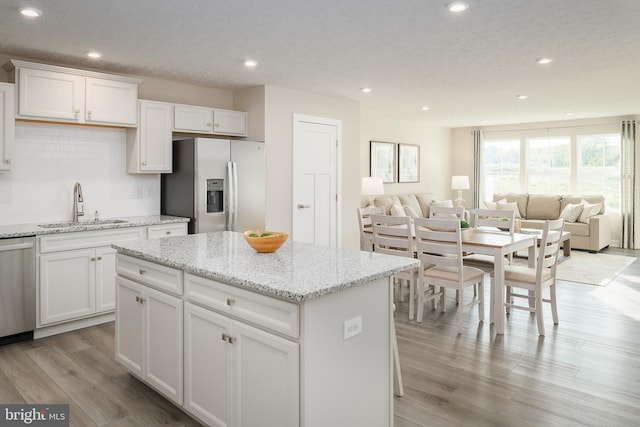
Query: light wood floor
point(585, 372)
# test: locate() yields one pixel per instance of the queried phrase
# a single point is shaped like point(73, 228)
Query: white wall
point(49, 158)
point(280, 105)
point(435, 153)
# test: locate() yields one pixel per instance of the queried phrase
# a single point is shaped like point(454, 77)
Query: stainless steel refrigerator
point(217, 183)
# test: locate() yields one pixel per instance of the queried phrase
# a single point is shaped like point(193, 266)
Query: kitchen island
point(301, 336)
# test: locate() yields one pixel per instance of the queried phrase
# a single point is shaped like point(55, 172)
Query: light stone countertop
point(25, 230)
point(297, 271)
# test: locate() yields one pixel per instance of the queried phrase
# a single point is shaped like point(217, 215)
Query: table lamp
point(372, 186)
point(459, 183)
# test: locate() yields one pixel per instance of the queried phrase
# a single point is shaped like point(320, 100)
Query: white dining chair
point(536, 280)
point(439, 249)
point(364, 222)
point(491, 221)
point(393, 235)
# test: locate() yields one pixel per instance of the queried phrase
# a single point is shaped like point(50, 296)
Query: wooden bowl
point(265, 244)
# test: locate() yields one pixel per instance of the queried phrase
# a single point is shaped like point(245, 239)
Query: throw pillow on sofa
point(588, 210)
point(571, 213)
point(493, 205)
point(409, 211)
point(442, 203)
point(397, 210)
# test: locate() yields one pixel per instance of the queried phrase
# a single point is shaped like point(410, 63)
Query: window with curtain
point(500, 167)
point(548, 165)
point(599, 167)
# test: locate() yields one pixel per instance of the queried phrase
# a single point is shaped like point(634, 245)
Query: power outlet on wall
point(352, 327)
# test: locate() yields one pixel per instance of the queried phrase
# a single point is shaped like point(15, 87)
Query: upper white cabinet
point(7, 125)
point(52, 93)
point(190, 118)
point(149, 145)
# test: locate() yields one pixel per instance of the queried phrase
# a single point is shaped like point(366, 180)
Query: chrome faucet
point(78, 206)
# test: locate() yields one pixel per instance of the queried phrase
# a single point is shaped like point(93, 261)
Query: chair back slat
point(392, 235)
point(446, 212)
point(503, 219)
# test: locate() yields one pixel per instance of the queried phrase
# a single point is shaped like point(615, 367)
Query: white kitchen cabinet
point(216, 121)
point(76, 273)
point(149, 336)
point(166, 230)
point(191, 118)
point(149, 147)
point(7, 125)
point(52, 93)
point(236, 374)
point(229, 122)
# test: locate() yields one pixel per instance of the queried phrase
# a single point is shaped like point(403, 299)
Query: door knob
point(301, 206)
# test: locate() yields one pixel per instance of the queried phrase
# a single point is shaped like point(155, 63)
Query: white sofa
point(593, 235)
point(419, 203)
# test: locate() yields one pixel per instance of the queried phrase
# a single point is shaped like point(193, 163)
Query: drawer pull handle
point(228, 338)
point(99, 258)
point(93, 259)
point(140, 300)
point(230, 301)
point(167, 232)
point(142, 271)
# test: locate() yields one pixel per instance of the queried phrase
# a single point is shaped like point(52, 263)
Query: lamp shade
point(372, 186)
point(459, 182)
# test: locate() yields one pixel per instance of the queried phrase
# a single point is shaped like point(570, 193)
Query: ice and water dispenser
point(215, 195)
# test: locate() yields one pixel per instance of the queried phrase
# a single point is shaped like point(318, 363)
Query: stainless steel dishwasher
point(17, 289)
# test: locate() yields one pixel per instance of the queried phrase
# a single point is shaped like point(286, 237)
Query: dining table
point(495, 243)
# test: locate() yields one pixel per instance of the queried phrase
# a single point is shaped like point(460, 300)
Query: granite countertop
point(25, 230)
point(297, 271)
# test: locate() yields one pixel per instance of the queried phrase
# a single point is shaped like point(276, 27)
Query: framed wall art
point(408, 163)
point(383, 160)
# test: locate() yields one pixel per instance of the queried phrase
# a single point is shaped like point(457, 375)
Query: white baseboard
point(73, 325)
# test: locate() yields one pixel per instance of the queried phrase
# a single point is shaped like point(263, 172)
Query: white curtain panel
point(477, 162)
point(630, 201)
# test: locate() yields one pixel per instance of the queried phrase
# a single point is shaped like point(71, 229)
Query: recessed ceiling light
point(31, 12)
point(457, 6)
point(250, 63)
point(568, 113)
point(366, 90)
point(425, 108)
point(484, 121)
point(544, 61)
point(94, 55)
point(521, 96)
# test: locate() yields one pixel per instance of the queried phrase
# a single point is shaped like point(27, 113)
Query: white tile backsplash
point(49, 158)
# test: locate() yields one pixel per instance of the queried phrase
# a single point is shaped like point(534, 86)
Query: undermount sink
point(80, 223)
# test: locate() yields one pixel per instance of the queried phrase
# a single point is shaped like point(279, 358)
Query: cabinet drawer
point(149, 273)
point(166, 230)
point(261, 310)
point(89, 239)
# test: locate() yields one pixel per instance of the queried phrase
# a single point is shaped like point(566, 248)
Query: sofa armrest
point(599, 232)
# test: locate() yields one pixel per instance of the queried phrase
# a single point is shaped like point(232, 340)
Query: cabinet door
point(265, 378)
point(111, 101)
point(105, 279)
point(163, 361)
point(155, 137)
point(129, 325)
point(50, 95)
point(229, 122)
point(190, 118)
point(207, 366)
point(7, 125)
point(67, 285)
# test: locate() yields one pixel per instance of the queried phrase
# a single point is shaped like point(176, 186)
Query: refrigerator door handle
point(229, 196)
point(234, 221)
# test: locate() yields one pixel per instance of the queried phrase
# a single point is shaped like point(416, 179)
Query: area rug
point(593, 269)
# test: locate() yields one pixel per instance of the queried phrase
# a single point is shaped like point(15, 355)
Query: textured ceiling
point(466, 68)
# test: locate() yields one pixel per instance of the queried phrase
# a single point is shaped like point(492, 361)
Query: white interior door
point(316, 180)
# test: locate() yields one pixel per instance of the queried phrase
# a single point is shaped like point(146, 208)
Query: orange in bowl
point(265, 241)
